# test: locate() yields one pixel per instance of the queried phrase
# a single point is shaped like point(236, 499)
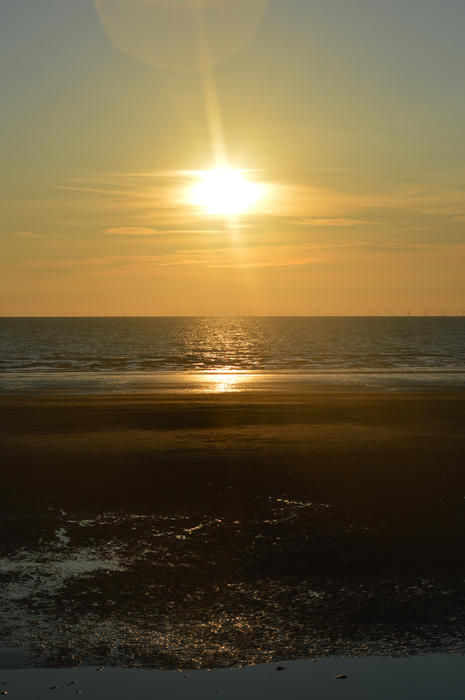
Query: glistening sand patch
point(184, 590)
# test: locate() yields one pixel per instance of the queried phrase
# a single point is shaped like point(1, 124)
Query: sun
point(225, 192)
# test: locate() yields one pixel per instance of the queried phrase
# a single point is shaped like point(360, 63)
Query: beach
point(169, 530)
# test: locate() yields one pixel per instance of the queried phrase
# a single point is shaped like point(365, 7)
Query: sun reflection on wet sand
point(223, 382)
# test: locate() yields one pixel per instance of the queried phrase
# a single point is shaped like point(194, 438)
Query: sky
point(347, 114)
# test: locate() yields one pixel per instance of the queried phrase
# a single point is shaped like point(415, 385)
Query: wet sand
point(221, 530)
point(427, 677)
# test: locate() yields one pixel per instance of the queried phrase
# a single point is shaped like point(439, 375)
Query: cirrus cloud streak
point(131, 231)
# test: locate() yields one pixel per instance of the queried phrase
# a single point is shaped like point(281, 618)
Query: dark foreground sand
point(221, 530)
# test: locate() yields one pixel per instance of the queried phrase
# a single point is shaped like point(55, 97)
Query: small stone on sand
point(341, 677)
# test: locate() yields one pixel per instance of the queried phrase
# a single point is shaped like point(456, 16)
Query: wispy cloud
point(158, 204)
point(335, 221)
point(233, 257)
point(131, 231)
point(28, 234)
point(147, 231)
point(342, 255)
point(244, 257)
point(313, 203)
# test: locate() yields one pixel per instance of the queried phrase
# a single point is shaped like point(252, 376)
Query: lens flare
point(181, 34)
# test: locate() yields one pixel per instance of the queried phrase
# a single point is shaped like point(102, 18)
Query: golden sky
point(346, 116)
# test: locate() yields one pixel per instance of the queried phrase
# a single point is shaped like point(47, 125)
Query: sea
point(121, 354)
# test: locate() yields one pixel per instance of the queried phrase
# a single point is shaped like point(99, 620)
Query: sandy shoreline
point(220, 530)
point(156, 446)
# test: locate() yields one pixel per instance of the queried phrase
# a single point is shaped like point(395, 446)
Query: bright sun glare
point(225, 192)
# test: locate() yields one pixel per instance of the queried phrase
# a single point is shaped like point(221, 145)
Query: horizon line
point(238, 315)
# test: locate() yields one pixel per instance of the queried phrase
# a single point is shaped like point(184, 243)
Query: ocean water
point(167, 352)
